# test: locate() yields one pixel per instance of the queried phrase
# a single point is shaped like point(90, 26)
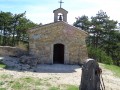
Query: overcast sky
point(41, 11)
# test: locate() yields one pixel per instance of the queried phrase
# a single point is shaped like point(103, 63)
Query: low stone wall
point(11, 51)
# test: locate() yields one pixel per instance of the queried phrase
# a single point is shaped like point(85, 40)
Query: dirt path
point(111, 82)
point(56, 77)
point(59, 74)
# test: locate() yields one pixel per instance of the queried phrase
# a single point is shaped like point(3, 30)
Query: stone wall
point(43, 39)
point(11, 51)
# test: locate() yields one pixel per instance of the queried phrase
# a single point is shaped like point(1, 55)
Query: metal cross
point(60, 3)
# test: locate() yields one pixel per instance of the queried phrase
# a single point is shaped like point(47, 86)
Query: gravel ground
point(111, 82)
point(57, 73)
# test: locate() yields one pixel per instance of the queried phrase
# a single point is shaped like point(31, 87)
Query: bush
point(2, 65)
point(99, 55)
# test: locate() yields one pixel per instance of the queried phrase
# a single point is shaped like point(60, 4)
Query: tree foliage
point(103, 36)
point(82, 22)
point(99, 55)
point(13, 28)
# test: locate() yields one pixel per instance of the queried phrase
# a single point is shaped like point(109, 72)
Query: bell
point(60, 18)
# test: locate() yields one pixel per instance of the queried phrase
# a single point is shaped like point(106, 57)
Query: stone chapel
point(58, 42)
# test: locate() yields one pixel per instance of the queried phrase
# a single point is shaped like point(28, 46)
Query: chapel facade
point(58, 42)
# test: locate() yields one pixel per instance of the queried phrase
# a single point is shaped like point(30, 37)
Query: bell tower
point(60, 14)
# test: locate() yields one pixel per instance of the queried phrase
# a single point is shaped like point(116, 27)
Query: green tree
point(5, 18)
point(13, 28)
point(103, 37)
point(24, 25)
point(83, 23)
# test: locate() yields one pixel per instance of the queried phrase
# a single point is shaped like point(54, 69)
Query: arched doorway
point(58, 54)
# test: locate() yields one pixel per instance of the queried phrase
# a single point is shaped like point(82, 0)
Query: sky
point(41, 11)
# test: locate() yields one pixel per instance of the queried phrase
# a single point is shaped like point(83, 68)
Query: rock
point(25, 67)
point(30, 60)
point(18, 67)
point(90, 79)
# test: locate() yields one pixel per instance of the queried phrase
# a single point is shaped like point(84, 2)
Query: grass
point(5, 76)
point(1, 83)
point(54, 88)
point(3, 89)
point(64, 87)
point(17, 86)
point(113, 68)
point(72, 87)
point(28, 80)
point(26, 83)
point(2, 65)
point(30, 83)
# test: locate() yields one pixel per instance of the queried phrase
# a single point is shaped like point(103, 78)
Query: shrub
point(2, 65)
point(99, 55)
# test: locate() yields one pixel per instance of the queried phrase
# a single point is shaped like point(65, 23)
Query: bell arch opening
point(60, 17)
